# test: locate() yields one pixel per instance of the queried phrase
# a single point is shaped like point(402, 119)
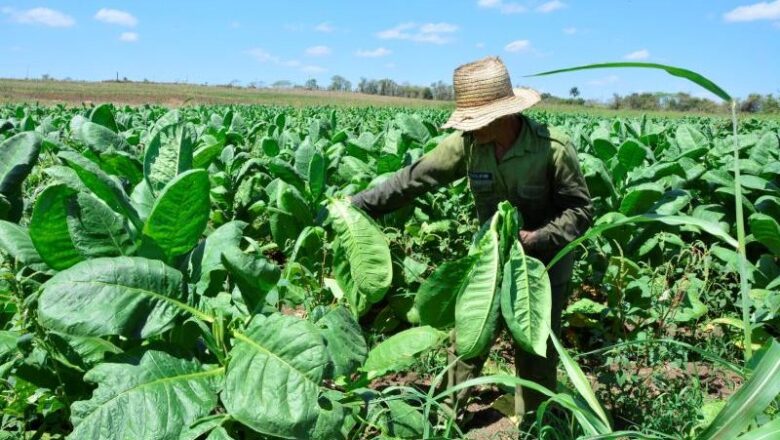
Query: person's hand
point(527, 239)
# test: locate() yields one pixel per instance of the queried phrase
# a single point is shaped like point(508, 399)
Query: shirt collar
point(525, 140)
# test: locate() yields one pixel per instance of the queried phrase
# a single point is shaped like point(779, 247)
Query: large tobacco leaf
point(273, 379)
point(156, 398)
point(526, 300)
point(127, 296)
point(180, 214)
point(476, 311)
point(366, 250)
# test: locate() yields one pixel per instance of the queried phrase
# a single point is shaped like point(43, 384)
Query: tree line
point(681, 102)
point(439, 90)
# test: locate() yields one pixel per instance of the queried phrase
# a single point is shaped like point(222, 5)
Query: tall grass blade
point(710, 86)
point(750, 400)
point(579, 380)
point(672, 70)
point(768, 431)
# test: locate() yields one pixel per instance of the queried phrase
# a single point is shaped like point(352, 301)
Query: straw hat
point(483, 93)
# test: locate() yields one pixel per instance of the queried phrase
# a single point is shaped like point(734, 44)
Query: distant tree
point(751, 104)
point(574, 92)
point(282, 84)
point(311, 84)
point(339, 84)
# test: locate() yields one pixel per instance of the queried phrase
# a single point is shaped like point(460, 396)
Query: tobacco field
point(199, 273)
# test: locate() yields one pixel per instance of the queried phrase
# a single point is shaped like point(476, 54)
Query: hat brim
point(474, 118)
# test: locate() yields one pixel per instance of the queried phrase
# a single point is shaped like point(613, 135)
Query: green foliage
point(199, 273)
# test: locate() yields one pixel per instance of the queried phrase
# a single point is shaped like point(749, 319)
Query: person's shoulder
point(556, 135)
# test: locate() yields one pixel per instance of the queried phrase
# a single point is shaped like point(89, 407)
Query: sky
point(734, 43)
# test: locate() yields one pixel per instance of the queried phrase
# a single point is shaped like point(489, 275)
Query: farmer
point(505, 156)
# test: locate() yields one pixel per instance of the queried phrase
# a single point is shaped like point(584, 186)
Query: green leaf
point(632, 154)
point(122, 164)
point(96, 230)
point(675, 71)
point(526, 301)
point(344, 340)
point(270, 146)
point(103, 115)
point(167, 155)
point(436, 298)
point(404, 420)
point(18, 155)
point(15, 240)
point(180, 214)
point(99, 138)
point(366, 249)
point(49, 228)
point(640, 198)
point(207, 258)
point(102, 185)
point(750, 400)
point(399, 351)
point(273, 378)
point(767, 231)
point(127, 296)
point(254, 275)
point(689, 138)
point(580, 382)
point(476, 310)
point(317, 175)
point(156, 398)
point(303, 155)
point(768, 431)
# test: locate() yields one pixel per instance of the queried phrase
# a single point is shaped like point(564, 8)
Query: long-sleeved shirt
point(539, 174)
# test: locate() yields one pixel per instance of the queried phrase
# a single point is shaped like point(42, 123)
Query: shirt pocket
point(532, 201)
point(531, 193)
point(481, 182)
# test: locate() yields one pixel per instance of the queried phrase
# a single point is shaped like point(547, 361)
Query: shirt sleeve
point(571, 199)
point(440, 166)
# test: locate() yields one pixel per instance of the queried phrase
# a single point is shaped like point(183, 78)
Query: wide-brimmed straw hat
point(483, 93)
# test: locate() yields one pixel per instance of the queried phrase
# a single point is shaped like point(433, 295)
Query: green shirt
point(539, 174)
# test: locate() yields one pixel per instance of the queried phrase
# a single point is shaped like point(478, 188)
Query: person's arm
point(440, 166)
point(570, 197)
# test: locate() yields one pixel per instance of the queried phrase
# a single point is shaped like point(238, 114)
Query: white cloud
point(570, 30)
point(43, 16)
point(318, 51)
point(128, 37)
point(518, 46)
point(504, 7)
point(375, 53)
point(641, 54)
point(434, 33)
point(313, 69)
point(757, 11)
point(390, 65)
point(480, 45)
point(263, 56)
point(550, 6)
point(324, 27)
point(604, 81)
point(235, 24)
point(115, 16)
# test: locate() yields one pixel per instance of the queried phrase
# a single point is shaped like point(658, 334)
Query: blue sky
point(734, 43)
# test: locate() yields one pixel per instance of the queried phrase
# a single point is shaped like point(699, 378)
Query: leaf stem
point(742, 260)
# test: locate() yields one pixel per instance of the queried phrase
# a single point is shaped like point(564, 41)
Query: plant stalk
point(742, 263)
